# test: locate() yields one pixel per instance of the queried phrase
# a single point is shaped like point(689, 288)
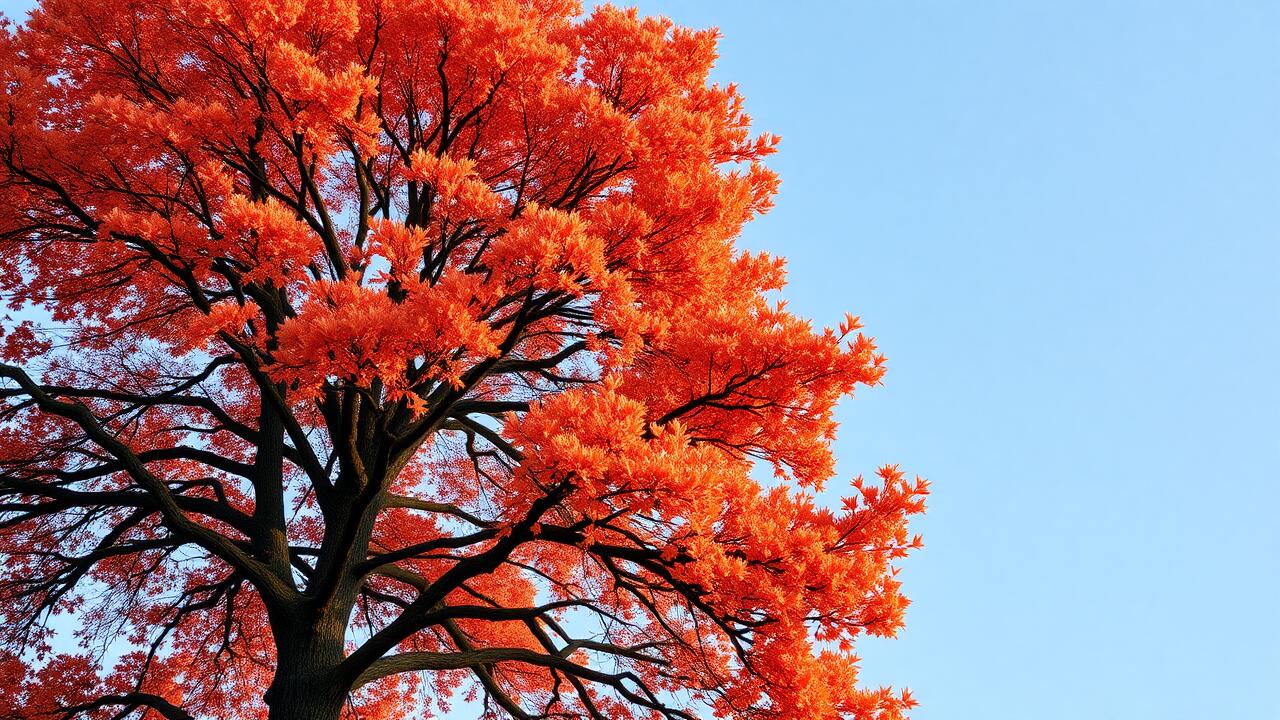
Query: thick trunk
point(304, 701)
point(310, 636)
point(306, 685)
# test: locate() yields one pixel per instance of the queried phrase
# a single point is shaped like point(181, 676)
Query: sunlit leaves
point(356, 303)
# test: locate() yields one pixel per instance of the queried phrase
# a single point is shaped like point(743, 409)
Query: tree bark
point(306, 685)
point(306, 700)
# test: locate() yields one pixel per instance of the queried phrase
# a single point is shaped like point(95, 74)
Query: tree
point(374, 354)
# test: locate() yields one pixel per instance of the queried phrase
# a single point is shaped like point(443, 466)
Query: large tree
point(368, 354)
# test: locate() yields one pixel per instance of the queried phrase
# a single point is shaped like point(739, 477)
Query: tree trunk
point(315, 700)
point(306, 686)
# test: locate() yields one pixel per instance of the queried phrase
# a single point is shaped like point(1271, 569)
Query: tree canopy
point(369, 356)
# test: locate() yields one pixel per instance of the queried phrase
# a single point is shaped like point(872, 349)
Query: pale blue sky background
point(1062, 221)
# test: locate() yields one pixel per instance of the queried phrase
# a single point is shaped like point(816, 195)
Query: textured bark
point(306, 686)
point(303, 699)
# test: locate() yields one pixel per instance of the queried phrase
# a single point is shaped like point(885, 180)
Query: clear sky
point(1062, 222)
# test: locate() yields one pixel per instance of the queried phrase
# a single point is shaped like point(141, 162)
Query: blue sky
point(1061, 220)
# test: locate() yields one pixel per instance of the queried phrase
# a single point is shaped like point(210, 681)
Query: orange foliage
point(400, 353)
